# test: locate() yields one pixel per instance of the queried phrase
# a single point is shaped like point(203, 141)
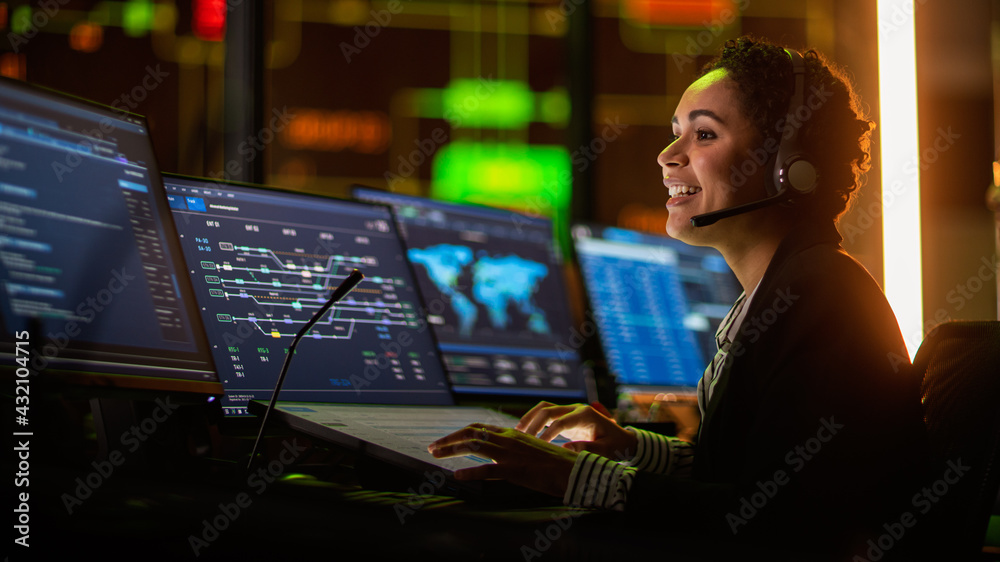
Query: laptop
point(496, 298)
point(368, 376)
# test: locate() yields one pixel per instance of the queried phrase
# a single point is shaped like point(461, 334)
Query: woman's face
point(705, 167)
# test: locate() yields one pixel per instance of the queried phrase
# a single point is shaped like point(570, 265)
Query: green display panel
point(535, 179)
point(497, 104)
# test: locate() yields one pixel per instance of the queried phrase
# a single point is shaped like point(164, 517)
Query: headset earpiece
point(793, 172)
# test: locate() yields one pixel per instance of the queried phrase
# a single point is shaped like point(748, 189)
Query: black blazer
point(814, 432)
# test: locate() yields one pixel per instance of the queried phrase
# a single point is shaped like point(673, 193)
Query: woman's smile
point(679, 192)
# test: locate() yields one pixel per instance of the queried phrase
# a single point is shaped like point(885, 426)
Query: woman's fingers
point(527, 418)
point(578, 425)
point(478, 447)
point(519, 458)
point(475, 432)
point(540, 416)
point(545, 414)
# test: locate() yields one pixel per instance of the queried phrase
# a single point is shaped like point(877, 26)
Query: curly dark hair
point(836, 135)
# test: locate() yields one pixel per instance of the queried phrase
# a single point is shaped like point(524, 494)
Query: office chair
point(959, 366)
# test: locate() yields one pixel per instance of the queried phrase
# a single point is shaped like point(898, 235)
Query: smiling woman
point(711, 137)
point(811, 432)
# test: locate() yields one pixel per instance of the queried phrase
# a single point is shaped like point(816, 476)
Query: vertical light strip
point(897, 80)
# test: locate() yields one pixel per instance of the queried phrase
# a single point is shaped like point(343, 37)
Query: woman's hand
point(587, 429)
point(521, 459)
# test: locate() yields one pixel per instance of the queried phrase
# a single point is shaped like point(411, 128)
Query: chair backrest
point(959, 366)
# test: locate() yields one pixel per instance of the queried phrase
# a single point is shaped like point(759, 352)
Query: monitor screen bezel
point(490, 394)
point(116, 369)
point(224, 183)
point(680, 392)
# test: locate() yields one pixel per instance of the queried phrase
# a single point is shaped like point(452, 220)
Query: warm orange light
point(365, 132)
point(297, 172)
point(86, 37)
point(680, 13)
point(3, 15)
point(900, 152)
point(13, 66)
point(643, 218)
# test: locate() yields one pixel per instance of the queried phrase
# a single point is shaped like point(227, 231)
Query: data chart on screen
point(657, 302)
point(264, 261)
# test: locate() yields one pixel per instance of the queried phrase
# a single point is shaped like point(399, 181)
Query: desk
point(131, 516)
point(164, 501)
point(163, 505)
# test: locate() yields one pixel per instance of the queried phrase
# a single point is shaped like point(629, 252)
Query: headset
point(793, 172)
point(794, 176)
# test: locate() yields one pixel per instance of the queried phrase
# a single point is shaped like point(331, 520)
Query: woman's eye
point(673, 138)
point(705, 135)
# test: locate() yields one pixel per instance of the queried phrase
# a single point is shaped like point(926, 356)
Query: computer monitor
point(90, 271)
point(657, 302)
point(494, 291)
point(263, 261)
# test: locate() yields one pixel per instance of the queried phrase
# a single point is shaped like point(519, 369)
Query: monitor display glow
point(263, 261)
point(493, 286)
point(657, 301)
point(90, 269)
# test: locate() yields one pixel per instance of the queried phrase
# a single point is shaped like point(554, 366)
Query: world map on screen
point(498, 283)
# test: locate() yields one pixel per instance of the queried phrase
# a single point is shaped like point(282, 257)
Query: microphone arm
point(340, 292)
point(710, 218)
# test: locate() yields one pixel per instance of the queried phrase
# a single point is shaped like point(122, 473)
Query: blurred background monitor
point(495, 294)
point(657, 302)
point(263, 261)
point(91, 274)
